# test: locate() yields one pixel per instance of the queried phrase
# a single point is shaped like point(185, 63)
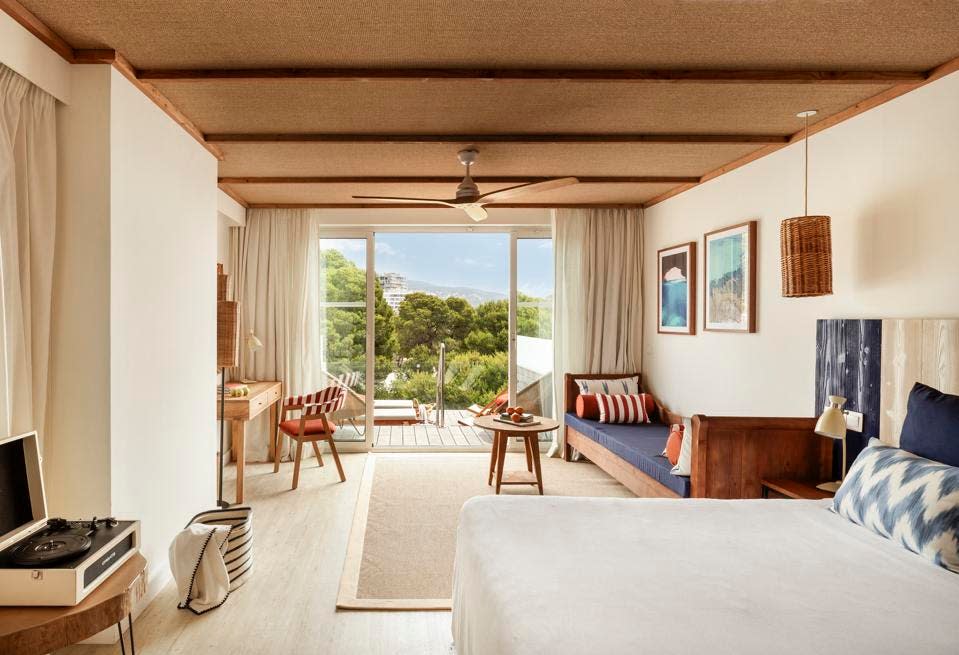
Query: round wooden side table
point(530, 436)
point(38, 630)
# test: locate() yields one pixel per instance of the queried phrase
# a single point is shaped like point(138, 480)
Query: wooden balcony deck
point(451, 435)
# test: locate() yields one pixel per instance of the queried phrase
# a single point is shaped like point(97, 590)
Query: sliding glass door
point(346, 330)
point(531, 360)
point(441, 335)
point(391, 302)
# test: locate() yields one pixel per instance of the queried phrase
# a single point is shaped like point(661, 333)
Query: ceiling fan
point(468, 197)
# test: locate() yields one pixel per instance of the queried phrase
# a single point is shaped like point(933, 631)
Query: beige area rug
point(403, 540)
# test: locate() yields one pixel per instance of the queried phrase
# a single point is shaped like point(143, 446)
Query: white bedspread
point(693, 577)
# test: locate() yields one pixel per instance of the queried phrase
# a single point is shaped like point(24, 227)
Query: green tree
point(345, 327)
point(462, 317)
point(423, 320)
point(490, 332)
point(533, 321)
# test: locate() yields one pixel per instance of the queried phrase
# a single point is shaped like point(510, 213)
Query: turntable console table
point(38, 630)
point(239, 410)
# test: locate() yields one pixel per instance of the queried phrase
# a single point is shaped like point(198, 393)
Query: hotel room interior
point(479, 328)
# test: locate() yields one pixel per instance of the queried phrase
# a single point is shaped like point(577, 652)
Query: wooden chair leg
point(277, 439)
point(296, 463)
point(336, 459)
point(316, 451)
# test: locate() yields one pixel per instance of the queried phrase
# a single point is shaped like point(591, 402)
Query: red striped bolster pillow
point(625, 408)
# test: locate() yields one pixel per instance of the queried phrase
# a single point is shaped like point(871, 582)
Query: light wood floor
point(288, 606)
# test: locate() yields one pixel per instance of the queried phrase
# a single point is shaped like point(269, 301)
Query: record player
point(50, 561)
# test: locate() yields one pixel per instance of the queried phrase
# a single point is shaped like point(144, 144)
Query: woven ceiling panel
point(540, 160)
point(459, 107)
point(545, 33)
point(342, 193)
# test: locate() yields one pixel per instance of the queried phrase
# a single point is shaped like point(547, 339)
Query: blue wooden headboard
point(875, 362)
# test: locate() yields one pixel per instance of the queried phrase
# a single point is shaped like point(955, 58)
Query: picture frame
point(676, 289)
point(729, 278)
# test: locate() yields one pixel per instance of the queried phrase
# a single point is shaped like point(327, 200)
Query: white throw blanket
point(196, 559)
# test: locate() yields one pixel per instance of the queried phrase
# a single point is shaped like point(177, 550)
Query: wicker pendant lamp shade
point(806, 246)
point(227, 324)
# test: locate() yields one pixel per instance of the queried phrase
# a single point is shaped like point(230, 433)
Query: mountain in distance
point(473, 296)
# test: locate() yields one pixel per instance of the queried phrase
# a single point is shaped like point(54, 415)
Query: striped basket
point(239, 550)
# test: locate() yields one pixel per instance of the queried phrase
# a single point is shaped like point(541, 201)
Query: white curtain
point(598, 304)
point(275, 262)
point(28, 208)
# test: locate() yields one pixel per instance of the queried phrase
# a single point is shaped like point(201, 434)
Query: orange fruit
point(516, 417)
point(519, 410)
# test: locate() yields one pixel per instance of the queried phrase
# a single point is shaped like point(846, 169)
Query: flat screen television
point(23, 506)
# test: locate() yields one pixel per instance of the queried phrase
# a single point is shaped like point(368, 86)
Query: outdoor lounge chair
point(498, 402)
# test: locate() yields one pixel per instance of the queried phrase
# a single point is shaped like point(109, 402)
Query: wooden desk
point(38, 630)
point(263, 396)
point(530, 436)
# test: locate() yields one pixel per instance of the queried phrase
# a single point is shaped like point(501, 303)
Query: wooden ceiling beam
point(541, 74)
point(445, 179)
point(233, 194)
point(413, 205)
point(37, 27)
point(872, 102)
point(710, 139)
point(118, 61)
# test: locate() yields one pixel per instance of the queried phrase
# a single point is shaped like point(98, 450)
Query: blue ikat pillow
point(906, 498)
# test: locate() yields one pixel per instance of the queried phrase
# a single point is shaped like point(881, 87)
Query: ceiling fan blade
point(432, 201)
point(532, 187)
point(476, 212)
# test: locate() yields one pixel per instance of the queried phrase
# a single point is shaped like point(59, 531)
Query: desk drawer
point(273, 394)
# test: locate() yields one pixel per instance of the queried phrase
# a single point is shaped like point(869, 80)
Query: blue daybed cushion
point(931, 428)
point(640, 444)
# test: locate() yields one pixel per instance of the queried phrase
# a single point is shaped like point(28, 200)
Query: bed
point(660, 576)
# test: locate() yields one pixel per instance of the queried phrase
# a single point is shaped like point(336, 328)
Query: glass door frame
point(544, 232)
point(516, 234)
point(368, 430)
point(369, 234)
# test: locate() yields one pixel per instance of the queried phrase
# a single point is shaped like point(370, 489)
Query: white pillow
point(613, 386)
point(685, 464)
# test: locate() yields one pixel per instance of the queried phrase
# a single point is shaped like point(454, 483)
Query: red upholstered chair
point(312, 426)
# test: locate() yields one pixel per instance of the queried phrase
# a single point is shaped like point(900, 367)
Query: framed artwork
point(676, 275)
point(730, 294)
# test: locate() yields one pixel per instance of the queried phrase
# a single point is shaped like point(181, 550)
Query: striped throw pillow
point(625, 408)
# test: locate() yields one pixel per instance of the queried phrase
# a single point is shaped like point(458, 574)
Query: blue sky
point(459, 259)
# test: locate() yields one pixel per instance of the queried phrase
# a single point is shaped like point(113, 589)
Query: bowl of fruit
point(516, 415)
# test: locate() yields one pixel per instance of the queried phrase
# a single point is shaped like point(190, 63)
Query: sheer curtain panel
point(28, 208)
point(278, 281)
point(598, 314)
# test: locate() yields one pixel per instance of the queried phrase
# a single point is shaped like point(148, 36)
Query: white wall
point(77, 447)
point(163, 245)
point(132, 422)
point(223, 225)
point(890, 180)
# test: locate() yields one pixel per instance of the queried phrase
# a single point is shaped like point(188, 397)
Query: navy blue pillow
point(931, 428)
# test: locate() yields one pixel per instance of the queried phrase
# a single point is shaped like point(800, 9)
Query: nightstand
point(801, 489)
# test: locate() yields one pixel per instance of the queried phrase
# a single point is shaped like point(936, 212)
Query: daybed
point(730, 455)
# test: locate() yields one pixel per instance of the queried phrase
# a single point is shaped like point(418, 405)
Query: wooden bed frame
point(730, 455)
